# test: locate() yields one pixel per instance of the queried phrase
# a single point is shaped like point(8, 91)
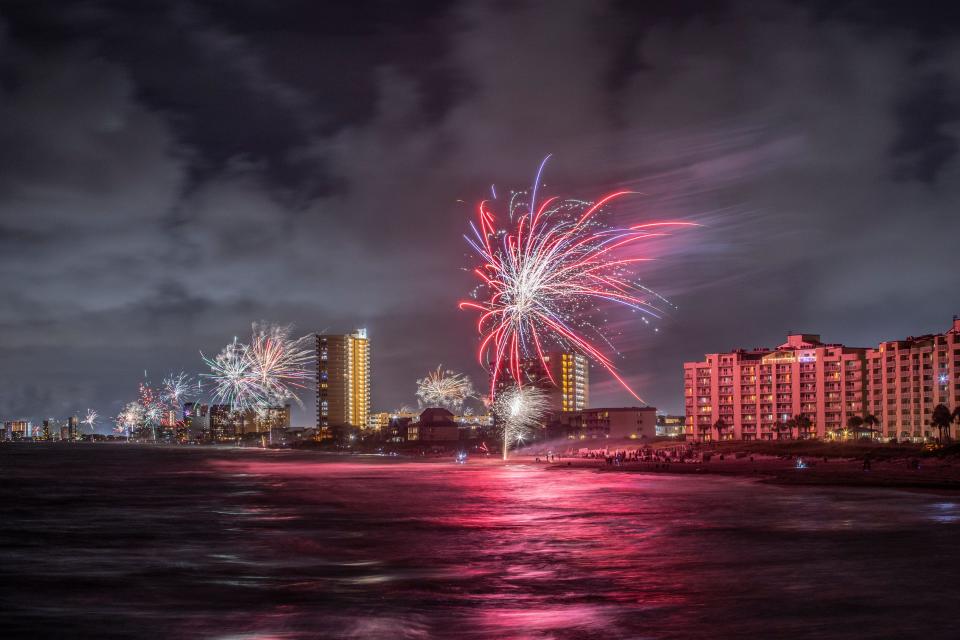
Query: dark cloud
point(170, 173)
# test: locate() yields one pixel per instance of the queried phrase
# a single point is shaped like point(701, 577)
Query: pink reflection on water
point(526, 549)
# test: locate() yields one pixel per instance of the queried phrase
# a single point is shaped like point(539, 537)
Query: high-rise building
point(343, 380)
point(17, 429)
point(564, 375)
point(908, 378)
point(754, 394)
point(805, 388)
point(571, 373)
point(223, 423)
point(196, 420)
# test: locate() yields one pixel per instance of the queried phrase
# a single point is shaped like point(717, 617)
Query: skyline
point(292, 172)
point(437, 383)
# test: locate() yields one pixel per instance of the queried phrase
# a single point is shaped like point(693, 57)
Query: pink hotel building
point(899, 382)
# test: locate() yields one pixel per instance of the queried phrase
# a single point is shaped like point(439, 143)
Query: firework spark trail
point(232, 377)
point(518, 410)
point(444, 388)
point(262, 374)
point(546, 272)
point(91, 419)
point(176, 387)
point(146, 412)
point(280, 363)
point(132, 416)
point(153, 407)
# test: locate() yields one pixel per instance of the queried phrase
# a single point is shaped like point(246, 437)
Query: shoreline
point(893, 474)
point(939, 474)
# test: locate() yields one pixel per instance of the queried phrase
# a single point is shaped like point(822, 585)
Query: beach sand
point(895, 473)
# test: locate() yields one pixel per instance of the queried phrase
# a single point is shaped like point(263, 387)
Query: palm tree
point(854, 423)
point(776, 427)
point(720, 426)
point(803, 424)
point(956, 415)
point(790, 425)
point(941, 419)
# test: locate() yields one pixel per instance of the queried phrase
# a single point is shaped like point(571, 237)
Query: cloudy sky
point(170, 172)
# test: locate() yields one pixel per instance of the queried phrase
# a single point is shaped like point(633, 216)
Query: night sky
point(171, 172)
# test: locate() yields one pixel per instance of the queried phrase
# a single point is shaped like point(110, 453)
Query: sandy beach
point(907, 471)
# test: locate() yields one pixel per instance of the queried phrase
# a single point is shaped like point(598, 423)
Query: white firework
point(151, 404)
point(152, 415)
point(444, 388)
point(232, 377)
point(518, 411)
point(91, 419)
point(264, 373)
point(131, 417)
point(176, 388)
point(280, 364)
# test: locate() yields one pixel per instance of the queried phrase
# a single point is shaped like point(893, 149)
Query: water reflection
point(174, 543)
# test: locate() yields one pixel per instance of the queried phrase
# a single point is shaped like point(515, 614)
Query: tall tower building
point(571, 373)
point(343, 380)
point(563, 374)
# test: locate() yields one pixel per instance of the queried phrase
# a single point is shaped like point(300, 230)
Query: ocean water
point(120, 541)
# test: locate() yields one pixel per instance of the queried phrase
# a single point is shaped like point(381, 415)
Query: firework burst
point(545, 273)
point(280, 363)
point(262, 374)
point(91, 419)
point(232, 377)
point(153, 407)
point(176, 388)
point(444, 388)
point(131, 417)
point(518, 410)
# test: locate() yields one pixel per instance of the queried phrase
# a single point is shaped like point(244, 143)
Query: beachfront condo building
point(909, 377)
point(807, 389)
point(343, 380)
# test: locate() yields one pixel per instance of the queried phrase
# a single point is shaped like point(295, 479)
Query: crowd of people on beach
point(662, 458)
point(619, 457)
